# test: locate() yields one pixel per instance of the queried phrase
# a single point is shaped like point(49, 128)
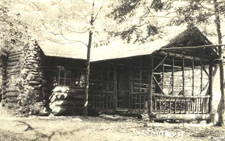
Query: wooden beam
point(115, 87)
point(150, 86)
point(107, 87)
point(160, 63)
point(162, 81)
point(210, 87)
point(193, 76)
point(192, 47)
point(183, 116)
point(203, 66)
point(173, 76)
point(158, 84)
point(201, 85)
point(140, 75)
point(108, 77)
point(177, 55)
point(183, 78)
point(179, 96)
point(131, 84)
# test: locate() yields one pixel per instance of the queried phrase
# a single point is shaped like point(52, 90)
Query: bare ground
point(106, 128)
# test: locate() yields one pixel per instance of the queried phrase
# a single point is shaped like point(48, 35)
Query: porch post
point(210, 87)
point(150, 86)
point(173, 76)
point(183, 77)
point(131, 87)
point(115, 87)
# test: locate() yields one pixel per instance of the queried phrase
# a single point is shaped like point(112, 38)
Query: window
point(64, 78)
point(78, 79)
point(70, 78)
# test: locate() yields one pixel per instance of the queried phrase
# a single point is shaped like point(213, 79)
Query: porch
point(168, 85)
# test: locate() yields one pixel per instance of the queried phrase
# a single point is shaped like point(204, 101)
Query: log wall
point(22, 77)
point(10, 73)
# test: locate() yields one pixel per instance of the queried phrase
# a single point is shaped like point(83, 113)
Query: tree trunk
point(87, 75)
point(85, 112)
point(221, 104)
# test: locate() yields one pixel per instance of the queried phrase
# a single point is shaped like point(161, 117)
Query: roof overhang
point(119, 49)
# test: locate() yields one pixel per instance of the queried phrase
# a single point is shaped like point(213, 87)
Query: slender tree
point(85, 111)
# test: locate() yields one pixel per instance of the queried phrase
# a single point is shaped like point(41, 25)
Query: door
point(123, 88)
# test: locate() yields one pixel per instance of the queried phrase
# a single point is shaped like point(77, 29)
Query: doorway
point(123, 91)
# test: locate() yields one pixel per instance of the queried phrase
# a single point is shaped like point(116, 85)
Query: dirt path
point(99, 129)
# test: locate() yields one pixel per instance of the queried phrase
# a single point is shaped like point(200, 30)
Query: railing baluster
point(197, 108)
point(201, 106)
point(180, 106)
point(175, 105)
point(139, 103)
point(186, 105)
point(132, 102)
point(155, 104)
point(144, 103)
point(169, 105)
point(135, 103)
point(159, 104)
point(194, 100)
point(106, 100)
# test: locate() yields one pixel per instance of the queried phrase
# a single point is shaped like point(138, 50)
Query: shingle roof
point(115, 49)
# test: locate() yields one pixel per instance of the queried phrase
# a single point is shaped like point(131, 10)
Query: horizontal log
point(67, 96)
point(11, 95)
point(32, 61)
point(182, 56)
point(181, 96)
point(183, 116)
point(16, 70)
point(33, 70)
point(66, 103)
point(11, 100)
point(13, 67)
point(12, 63)
point(67, 89)
point(12, 89)
point(67, 110)
point(34, 82)
point(18, 56)
point(31, 58)
point(15, 53)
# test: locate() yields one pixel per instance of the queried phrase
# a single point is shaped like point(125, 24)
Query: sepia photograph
point(112, 70)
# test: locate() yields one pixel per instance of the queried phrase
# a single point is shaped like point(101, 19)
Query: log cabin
point(169, 77)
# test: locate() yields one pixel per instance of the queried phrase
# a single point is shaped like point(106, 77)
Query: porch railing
point(101, 99)
point(165, 104)
point(180, 104)
point(138, 102)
